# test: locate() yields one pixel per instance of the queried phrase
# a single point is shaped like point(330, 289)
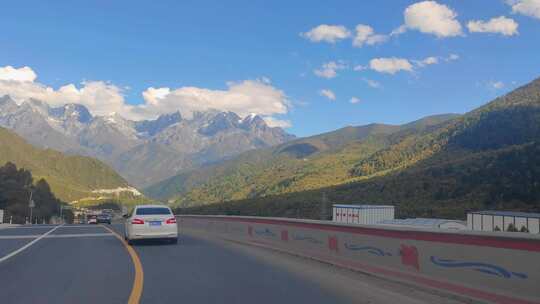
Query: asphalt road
point(88, 264)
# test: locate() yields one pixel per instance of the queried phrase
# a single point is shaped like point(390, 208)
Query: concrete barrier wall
point(494, 267)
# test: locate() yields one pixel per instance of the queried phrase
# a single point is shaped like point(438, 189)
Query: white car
point(151, 222)
point(92, 219)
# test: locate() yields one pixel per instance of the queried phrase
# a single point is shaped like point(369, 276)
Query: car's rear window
point(153, 211)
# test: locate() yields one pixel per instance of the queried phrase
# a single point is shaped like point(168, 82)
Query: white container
point(1, 216)
point(500, 220)
point(362, 214)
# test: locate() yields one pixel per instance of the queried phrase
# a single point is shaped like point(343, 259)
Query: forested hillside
point(303, 164)
point(70, 177)
point(15, 187)
point(487, 158)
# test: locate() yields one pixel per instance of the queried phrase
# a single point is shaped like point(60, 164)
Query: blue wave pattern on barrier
point(373, 250)
point(265, 232)
point(299, 237)
point(480, 267)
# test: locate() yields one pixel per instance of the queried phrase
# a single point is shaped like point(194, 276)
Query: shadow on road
point(142, 243)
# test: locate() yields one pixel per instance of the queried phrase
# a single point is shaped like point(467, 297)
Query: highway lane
point(200, 271)
point(87, 264)
point(82, 269)
point(217, 271)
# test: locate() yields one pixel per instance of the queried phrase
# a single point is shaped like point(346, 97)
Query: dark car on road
point(104, 218)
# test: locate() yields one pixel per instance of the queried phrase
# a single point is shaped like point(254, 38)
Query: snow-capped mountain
point(144, 152)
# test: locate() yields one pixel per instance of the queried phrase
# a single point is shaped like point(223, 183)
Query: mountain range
point(488, 158)
point(217, 162)
point(143, 152)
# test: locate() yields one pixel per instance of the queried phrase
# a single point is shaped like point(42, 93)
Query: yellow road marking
point(136, 290)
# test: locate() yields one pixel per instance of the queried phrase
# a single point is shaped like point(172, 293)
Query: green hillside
point(308, 163)
point(70, 177)
point(488, 158)
point(16, 184)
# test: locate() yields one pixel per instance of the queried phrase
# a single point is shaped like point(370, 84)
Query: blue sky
point(130, 46)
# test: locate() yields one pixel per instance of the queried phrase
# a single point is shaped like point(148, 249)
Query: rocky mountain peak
point(221, 121)
point(7, 104)
point(72, 112)
point(6, 99)
point(37, 105)
point(253, 121)
point(153, 127)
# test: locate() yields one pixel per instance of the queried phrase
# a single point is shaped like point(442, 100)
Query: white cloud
point(329, 69)
point(529, 8)
point(499, 25)
point(354, 100)
point(103, 98)
point(372, 83)
point(360, 68)
point(430, 60)
point(20, 74)
point(366, 35)
point(431, 17)
point(393, 65)
point(274, 122)
point(153, 95)
point(400, 30)
point(100, 97)
point(497, 85)
point(328, 94)
point(452, 57)
point(327, 33)
point(426, 61)
point(390, 65)
point(243, 98)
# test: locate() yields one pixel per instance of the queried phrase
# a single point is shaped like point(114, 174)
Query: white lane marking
point(78, 235)
point(14, 237)
point(80, 226)
point(48, 226)
point(31, 227)
point(28, 245)
point(53, 236)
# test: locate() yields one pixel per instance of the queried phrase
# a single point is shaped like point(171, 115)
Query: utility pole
point(324, 207)
point(31, 204)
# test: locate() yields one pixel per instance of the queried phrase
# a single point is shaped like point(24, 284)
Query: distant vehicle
point(104, 218)
point(151, 222)
point(92, 219)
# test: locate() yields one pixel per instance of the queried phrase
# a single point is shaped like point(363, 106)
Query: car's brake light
point(172, 220)
point(137, 221)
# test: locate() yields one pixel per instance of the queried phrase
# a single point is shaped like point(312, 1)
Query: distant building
point(503, 220)
point(362, 214)
point(427, 223)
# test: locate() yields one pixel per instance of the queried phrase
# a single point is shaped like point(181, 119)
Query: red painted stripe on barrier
point(485, 241)
point(392, 274)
